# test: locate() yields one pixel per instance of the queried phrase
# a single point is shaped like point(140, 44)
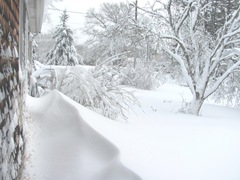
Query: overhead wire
point(76, 12)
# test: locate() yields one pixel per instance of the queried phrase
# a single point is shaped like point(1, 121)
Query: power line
point(75, 12)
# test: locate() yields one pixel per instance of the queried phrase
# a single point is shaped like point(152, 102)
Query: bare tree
point(205, 62)
point(109, 29)
point(114, 30)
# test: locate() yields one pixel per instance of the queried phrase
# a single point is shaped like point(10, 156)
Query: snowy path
point(65, 147)
point(157, 143)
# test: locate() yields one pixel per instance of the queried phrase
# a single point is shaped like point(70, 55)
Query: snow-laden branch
point(185, 72)
point(184, 16)
point(215, 58)
point(193, 22)
point(170, 15)
point(157, 14)
point(230, 53)
point(231, 29)
point(221, 78)
point(234, 19)
point(92, 14)
point(231, 33)
point(194, 16)
point(182, 45)
point(112, 58)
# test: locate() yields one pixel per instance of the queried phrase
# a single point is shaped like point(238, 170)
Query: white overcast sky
point(76, 20)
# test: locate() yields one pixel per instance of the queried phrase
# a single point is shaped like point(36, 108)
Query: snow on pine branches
point(63, 52)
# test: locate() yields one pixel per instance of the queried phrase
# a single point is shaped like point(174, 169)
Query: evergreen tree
point(64, 52)
point(217, 13)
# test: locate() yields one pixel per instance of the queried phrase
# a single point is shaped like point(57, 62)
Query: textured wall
point(11, 133)
point(11, 96)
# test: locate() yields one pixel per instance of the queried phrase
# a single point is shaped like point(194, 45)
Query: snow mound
point(63, 146)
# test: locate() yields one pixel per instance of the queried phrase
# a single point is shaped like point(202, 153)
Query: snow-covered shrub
point(119, 70)
point(107, 99)
point(110, 71)
point(143, 76)
point(79, 83)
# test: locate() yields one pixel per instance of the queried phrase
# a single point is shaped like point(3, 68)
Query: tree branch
point(184, 16)
point(182, 45)
point(185, 72)
point(221, 78)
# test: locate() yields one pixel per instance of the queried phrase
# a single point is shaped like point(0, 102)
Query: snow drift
point(157, 143)
point(64, 146)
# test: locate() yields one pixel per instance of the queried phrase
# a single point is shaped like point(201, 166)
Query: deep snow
point(63, 146)
point(69, 141)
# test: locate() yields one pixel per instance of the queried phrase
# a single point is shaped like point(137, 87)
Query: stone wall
point(11, 95)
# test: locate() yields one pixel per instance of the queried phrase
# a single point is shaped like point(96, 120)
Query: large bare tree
point(205, 62)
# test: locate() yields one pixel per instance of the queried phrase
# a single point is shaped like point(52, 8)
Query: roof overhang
point(35, 9)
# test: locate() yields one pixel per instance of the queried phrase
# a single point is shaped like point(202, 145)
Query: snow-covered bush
point(79, 83)
point(143, 76)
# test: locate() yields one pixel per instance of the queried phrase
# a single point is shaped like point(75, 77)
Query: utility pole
point(136, 13)
point(135, 49)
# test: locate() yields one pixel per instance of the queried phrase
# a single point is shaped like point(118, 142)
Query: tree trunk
point(196, 104)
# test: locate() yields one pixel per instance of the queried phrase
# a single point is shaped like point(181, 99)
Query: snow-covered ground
point(68, 141)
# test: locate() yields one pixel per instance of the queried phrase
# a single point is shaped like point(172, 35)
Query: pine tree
point(217, 13)
point(64, 52)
